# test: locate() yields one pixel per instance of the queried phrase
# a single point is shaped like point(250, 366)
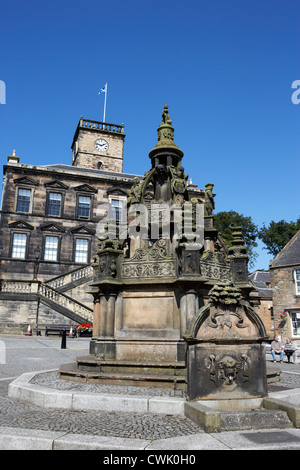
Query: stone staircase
point(71, 279)
point(214, 420)
point(89, 369)
point(62, 303)
point(49, 296)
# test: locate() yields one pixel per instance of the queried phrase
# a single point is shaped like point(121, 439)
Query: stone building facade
point(50, 212)
point(48, 228)
point(49, 219)
point(285, 283)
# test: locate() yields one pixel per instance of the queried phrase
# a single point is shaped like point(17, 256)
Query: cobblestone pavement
point(52, 380)
point(290, 376)
point(113, 424)
point(126, 425)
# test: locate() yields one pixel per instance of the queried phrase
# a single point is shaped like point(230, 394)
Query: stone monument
point(157, 272)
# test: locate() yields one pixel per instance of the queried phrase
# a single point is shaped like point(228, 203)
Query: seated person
point(276, 348)
point(289, 349)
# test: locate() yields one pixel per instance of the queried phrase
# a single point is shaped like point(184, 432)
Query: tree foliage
point(277, 234)
point(224, 221)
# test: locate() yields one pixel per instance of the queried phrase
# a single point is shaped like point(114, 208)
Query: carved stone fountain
point(153, 271)
point(171, 306)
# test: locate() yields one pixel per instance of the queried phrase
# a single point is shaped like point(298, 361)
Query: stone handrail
point(48, 293)
point(65, 301)
point(72, 276)
point(19, 287)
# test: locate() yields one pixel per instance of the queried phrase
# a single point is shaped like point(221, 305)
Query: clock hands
point(100, 145)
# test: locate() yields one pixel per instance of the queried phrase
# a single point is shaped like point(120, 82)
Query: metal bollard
point(63, 340)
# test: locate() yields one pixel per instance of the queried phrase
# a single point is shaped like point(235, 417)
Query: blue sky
point(224, 67)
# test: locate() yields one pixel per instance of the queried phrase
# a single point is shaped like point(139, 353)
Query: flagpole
point(105, 102)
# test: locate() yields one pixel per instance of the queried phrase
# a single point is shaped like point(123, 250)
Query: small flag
point(103, 90)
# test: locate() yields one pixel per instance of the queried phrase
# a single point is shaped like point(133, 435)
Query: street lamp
point(1, 251)
point(37, 252)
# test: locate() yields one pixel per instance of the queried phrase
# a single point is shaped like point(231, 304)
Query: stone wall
point(15, 315)
point(88, 157)
point(37, 224)
point(284, 298)
point(80, 293)
point(263, 310)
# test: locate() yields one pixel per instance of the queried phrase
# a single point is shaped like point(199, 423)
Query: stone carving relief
point(223, 370)
point(135, 193)
point(214, 266)
point(149, 263)
point(240, 270)
point(215, 271)
point(225, 357)
point(226, 317)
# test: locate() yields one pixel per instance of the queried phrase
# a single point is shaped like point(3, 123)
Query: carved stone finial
point(238, 249)
point(165, 130)
point(165, 137)
point(237, 254)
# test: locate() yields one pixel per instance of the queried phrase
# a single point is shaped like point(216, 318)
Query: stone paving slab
point(30, 439)
point(83, 442)
point(195, 442)
point(100, 428)
point(265, 439)
point(27, 439)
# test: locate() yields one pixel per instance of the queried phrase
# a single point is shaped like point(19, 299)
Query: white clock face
point(101, 145)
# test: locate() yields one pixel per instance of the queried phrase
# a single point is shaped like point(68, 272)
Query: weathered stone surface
point(225, 357)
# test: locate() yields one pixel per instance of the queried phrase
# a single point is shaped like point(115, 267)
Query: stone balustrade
point(73, 276)
point(19, 287)
point(49, 293)
point(104, 126)
point(65, 301)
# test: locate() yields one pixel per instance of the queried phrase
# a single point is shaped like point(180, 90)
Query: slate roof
point(289, 255)
point(261, 281)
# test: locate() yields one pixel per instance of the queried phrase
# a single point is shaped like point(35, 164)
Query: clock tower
point(98, 145)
